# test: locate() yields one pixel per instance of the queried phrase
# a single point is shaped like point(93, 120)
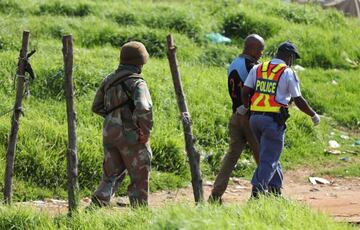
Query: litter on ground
point(334, 144)
point(318, 180)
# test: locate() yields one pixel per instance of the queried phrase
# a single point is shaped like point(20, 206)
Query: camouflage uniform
point(125, 119)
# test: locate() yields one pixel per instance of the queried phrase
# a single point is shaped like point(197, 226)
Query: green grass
point(328, 43)
point(343, 169)
point(258, 214)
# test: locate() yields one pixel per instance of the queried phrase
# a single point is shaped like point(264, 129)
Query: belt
point(265, 113)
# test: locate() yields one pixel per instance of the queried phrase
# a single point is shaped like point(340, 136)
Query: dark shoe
point(256, 193)
point(136, 202)
point(275, 191)
point(215, 200)
point(95, 201)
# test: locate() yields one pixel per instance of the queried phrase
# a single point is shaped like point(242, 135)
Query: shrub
point(60, 8)
point(8, 7)
point(174, 20)
point(240, 25)
point(163, 18)
point(218, 55)
point(125, 19)
point(154, 40)
point(168, 156)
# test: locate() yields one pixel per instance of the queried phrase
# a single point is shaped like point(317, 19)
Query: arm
point(247, 91)
point(302, 104)
point(143, 111)
point(246, 94)
point(98, 103)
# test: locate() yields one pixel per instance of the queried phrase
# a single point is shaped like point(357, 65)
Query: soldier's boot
point(103, 193)
point(214, 199)
point(138, 188)
point(138, 198)
point(95, 201)
point(139, 170)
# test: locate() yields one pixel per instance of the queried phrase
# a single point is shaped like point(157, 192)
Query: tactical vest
point(267, 80)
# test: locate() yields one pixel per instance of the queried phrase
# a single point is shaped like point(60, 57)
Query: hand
point(315, 119)
point(241, 110)
point(142, 138)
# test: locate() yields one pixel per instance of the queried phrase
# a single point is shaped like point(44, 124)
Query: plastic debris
point(334, 144)
point(299, 68)
point(39, 202)
point(318, 180)
point(332, 151)
point(55, 201)
point(345, 137)
point(345, 159)
point(357, 142)
point(217, 38)
point(334, 82)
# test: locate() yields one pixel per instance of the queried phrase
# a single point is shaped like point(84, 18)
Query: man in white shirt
point(270, 86)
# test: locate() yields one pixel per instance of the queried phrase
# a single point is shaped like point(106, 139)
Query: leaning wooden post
point(72, 161)
point(15, 120)
point(193, 155)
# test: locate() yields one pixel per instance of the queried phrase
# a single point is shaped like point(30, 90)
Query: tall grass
point(257, 214)
point(326, 39)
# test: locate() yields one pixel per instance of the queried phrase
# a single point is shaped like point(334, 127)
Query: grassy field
point(274, 214)
point(328, 43)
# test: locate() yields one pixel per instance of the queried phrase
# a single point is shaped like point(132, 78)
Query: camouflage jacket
point(124, 116)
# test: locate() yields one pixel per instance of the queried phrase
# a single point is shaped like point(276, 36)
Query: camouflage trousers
point(120, 157)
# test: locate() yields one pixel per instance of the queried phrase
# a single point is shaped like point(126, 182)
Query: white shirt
point(288, 85)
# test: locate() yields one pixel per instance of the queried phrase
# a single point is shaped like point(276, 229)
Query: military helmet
point(133, 53)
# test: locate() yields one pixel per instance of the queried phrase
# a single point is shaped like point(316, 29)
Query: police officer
point(271, 85)
point(123, 99)
point(240, 132)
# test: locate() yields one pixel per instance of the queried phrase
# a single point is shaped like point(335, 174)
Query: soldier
point(123, 99)
point(271, 85)
point(239, 128)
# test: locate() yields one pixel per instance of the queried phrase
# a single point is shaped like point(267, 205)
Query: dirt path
point(340, 198)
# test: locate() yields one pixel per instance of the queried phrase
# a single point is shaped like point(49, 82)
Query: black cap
point(289, 47)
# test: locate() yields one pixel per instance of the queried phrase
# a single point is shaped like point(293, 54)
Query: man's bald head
point(254, 46)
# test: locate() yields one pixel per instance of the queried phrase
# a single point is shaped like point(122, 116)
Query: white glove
point(315, 119)
point(241, 110)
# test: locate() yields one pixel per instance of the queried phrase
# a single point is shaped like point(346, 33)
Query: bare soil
point(339, 199)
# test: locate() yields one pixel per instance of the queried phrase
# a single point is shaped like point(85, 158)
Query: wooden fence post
point(193, 155)
point(15, 120)
point(71, 154)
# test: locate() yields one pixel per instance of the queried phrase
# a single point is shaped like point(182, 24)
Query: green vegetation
point(274, 214)
point(348, 167)
point(328, 43)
